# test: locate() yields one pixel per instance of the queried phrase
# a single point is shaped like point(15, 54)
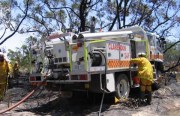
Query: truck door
point(133, 49)
point(138, 47)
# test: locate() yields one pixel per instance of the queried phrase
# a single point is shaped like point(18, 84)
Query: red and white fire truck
point(96, 62)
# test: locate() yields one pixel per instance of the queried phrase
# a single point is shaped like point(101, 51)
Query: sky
point(15, 41)
point(18, 39)
point(12, 43)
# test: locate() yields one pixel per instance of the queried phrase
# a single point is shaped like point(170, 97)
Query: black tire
point(122, 87)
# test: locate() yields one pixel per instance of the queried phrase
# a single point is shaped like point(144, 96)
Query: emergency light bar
point(103, 35)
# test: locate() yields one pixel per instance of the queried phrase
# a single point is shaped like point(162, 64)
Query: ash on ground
point(165, 102)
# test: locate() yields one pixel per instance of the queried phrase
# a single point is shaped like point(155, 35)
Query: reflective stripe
point(156, 56)
point(118, 63)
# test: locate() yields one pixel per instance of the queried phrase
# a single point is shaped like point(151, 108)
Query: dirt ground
point(165, 102)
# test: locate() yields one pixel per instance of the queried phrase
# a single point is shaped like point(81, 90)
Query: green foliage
point(49, 15)
point(23, 55)
point(5, 3)
point(172, 55)
point(61, 15)
point(46, 16)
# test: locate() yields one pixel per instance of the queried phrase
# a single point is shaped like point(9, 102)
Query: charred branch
point(117, 15)
point(3, 33)
point(165, 21)
point(177, 64)
point(90, 6)
point(125, 12)
point(136, 14)
point(171, 46)
point(26, 12)
point(37, 20)
point(66, 8)
point(54, 15)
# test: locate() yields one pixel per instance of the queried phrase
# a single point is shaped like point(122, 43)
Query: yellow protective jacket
point(3, 72)
point(10, 68)
point(145, 69)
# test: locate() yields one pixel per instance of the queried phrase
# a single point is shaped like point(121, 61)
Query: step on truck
point(96, 62)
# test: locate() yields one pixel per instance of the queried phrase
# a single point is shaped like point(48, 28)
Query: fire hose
point(25, 98)
point(99, 113)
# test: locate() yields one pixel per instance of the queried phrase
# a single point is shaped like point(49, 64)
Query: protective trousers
point(3, 85)
point(145, 85)
point(3, 78)
point(146, 88)
point(2, 90)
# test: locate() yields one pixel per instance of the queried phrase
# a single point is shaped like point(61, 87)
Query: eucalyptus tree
point(23, 55)
point(172, 55)
point(7, 20)
point(45, 16)
point(153, 15)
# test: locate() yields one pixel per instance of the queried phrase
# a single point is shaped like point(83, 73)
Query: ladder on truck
point(156, 76)
point(154, 72)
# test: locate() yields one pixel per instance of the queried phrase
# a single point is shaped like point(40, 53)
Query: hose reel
point(97, 58)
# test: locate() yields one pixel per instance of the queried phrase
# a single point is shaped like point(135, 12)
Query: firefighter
point(145, 74)
point(3, 75)
point(15, 70)
point(10, 69)
point(10, 75)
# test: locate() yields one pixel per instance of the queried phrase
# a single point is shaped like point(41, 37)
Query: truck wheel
point(122, 87)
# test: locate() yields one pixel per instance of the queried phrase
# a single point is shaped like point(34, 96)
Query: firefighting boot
point(149, 98)
point(142, 99)
point(142, 95)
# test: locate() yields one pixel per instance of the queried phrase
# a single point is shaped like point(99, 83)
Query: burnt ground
point(166, 102)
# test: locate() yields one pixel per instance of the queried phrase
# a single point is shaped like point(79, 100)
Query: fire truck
point(96, 62)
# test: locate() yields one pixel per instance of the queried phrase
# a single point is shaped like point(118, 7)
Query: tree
point(23, 55)
point(6, 19)
point(172, 56)
point(46, 16)
point(153, 15)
